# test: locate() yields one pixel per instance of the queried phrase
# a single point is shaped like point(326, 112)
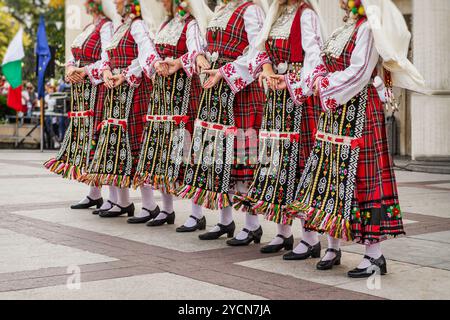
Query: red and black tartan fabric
point(375, 212)
point(284, 145)
point(248, 103)
point(75, 152)
point(120, 57)
point(161, 158)
point(91, 50)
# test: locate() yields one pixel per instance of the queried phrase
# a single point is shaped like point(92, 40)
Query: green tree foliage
point(27, 13)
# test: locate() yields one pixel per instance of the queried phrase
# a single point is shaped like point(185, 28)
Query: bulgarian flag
point(12, 70)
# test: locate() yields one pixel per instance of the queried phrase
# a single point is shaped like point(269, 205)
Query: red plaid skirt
point(248, 113)
point(376, 193)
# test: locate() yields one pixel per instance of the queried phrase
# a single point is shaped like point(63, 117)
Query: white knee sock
point(225, 218)
point(148, 201)
point(113, 194)
point(373, 251)
point(94, 193)
point(310, 237)
point(285, 231)
point(123, 199)
point(167, 206)
point(197, 212)
point(333, 243)
point(112, 197)
point(251, 223)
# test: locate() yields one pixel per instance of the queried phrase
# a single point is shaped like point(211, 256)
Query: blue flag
point(43, 56)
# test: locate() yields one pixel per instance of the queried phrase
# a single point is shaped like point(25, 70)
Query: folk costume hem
point(63, 168)
point(205, 198)
point(100, 179)
point(273, 212)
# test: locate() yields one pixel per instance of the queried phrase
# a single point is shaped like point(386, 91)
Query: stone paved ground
point(42, 244)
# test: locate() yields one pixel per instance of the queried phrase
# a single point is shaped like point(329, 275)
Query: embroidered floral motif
point(320, 69)
point(331, 104)
point(229, 70)
point(298, 93)
point(95, 74)
point(324, 83)
point(240, 83)
point(394, 212)
point(150, 59)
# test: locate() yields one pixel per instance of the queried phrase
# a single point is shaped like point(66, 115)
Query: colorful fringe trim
point(100, 179)
point(205, 198)
point(272, 212)
point(157, 182)
point(318, 220)
point(66, 170)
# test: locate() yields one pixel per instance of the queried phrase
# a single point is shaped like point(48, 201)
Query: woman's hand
point(78, 75)
point(174, 65)
point(107, 78)
point(202, 64)
point(162, 68)
point(317, 86)
point(214, 78)
point(118, 79)
point(278, 82)
point(267, 74)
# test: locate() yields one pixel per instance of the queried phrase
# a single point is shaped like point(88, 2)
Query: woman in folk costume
point(348, 187)
point(224, 143)
point(290, 47)
point(125, 104)
point(176, 91)
point(82, 72)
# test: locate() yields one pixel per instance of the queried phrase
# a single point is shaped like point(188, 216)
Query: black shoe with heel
point(112, 204)
point(169, 219)
point(377, 266)
point(312, 252)
point(123, 210)
point(152, 214)
point(252, 236)
point(213, 235)
point(288, 244)
point(329, 264)
point(200, 225)
point(98, 203)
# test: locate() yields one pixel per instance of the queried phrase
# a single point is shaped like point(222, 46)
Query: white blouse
point(237, 73)
point(312, 46)
point(339, 87)
point(146, 52)
point(194, 41)
point(93, 69)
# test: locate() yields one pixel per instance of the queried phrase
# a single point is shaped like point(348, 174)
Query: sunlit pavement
point(48, 251)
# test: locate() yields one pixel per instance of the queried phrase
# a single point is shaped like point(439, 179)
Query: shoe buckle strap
point(310, 247)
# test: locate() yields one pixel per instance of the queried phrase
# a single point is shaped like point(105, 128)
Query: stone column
point(76, 20)
point(430, 115)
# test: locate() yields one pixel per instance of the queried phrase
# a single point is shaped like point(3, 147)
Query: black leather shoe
point(288, 244)
point(228, 230)
point(112, 204)
point(329, 264)
point(123, 210)
point(377, 266)
point(98, 203)
point(200, 225)
point(169, 219)
point(312, 252)
point(152, 214)
point(252, 236)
